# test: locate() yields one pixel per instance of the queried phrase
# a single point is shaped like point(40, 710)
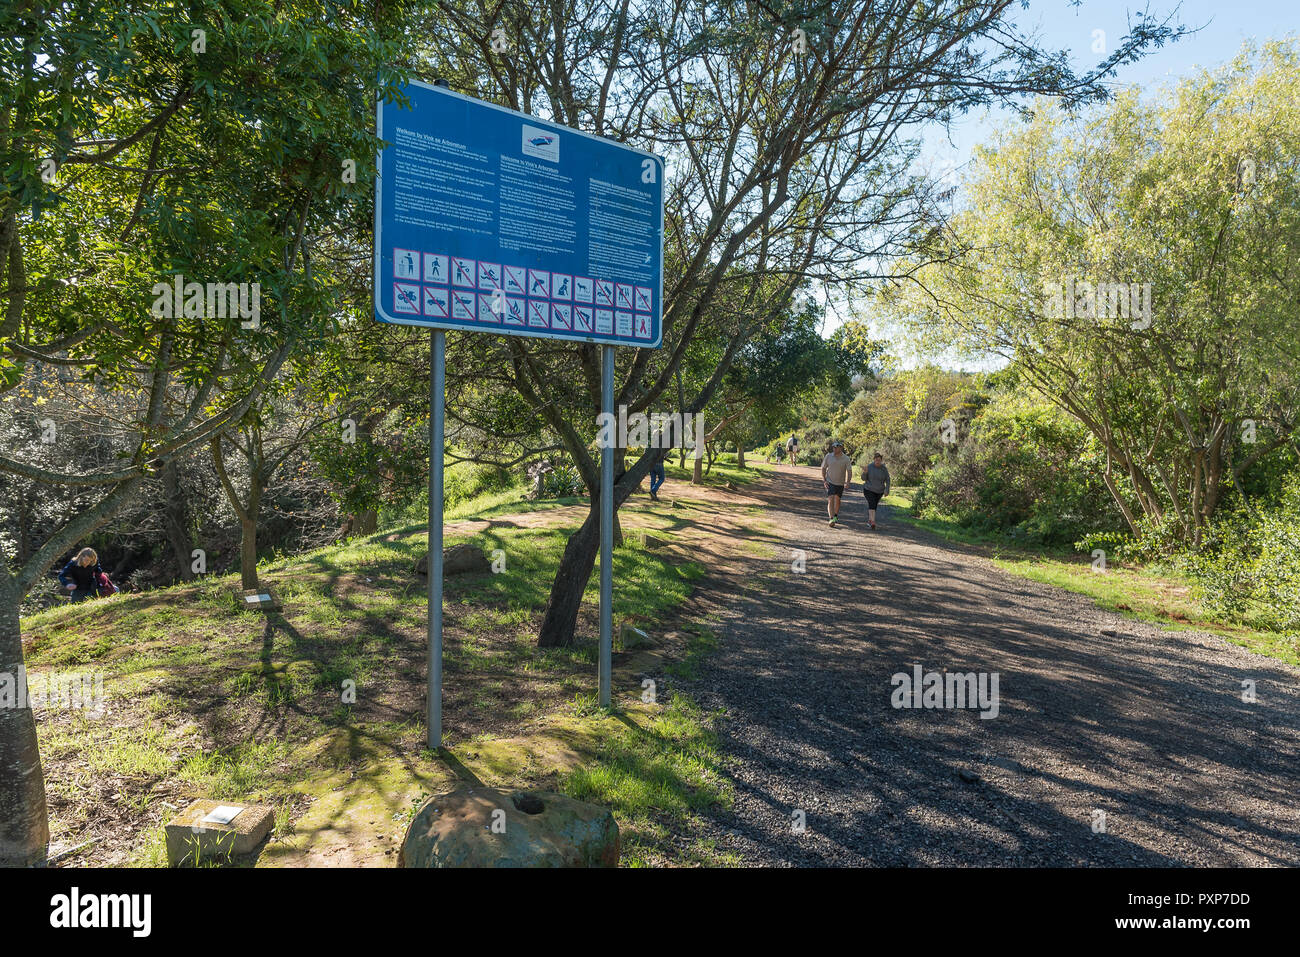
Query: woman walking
point(875, 485)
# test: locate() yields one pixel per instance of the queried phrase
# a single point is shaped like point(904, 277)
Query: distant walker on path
point(657, 478)
point(875, 485)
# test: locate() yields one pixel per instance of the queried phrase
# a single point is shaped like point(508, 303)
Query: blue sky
point(1224, 26)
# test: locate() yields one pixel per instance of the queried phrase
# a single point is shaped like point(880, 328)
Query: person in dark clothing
point(81, 575)
point(657, 478)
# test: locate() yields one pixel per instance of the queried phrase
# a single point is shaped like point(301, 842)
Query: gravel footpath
point(1097, 713)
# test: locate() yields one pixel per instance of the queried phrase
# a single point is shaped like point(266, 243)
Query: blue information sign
point(496, 221)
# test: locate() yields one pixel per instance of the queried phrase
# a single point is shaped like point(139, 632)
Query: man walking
point(657, 478)
point(792, 448)
point(875, 485)
point(837, 470)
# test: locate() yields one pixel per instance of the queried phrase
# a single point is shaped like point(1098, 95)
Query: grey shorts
point(834, 490)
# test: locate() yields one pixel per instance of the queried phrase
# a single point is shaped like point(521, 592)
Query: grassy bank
point(1159, 595)
point(724, 471)
point(317, 708)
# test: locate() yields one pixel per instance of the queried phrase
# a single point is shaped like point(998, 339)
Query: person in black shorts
point(875, 485)
point(837, 471)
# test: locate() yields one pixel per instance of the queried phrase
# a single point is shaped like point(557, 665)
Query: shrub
point(1024, 469)
point(814, 443)
point(910, 456)
point(950, 488)
point(466, 480)
point(547, 479)
point(1248, 566)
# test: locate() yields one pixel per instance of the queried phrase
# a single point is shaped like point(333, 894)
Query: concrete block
point(190, 839)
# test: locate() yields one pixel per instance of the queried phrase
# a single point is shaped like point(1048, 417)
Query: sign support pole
point(437, 391)
point(606, 530)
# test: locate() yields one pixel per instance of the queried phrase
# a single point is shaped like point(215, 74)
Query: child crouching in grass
point(83, 577)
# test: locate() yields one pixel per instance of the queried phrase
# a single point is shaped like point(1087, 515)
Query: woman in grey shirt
point(875, 485)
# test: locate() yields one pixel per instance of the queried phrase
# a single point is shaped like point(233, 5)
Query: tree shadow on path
point(1143, 726)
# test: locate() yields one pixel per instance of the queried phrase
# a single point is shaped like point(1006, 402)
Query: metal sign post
point(606, 531)
point(437, 392)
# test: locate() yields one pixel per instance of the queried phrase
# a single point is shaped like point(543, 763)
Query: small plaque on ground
point(259, 599)
point(222, 815)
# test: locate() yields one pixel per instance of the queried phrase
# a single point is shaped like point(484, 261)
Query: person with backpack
point(792, 448)
point(875, 485)
point(84, 578)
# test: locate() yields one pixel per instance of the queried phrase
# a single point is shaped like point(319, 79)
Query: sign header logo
point(541, 145)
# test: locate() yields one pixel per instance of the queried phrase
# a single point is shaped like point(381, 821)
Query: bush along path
point(1109, 741)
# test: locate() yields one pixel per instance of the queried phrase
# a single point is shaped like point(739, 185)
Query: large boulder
point(465, 559)
point(496, 827)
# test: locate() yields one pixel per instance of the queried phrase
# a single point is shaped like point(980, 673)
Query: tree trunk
point(248, 552)
point(24, 821)
point(697, 477)
point(571, 581)
point(620, 467)
point(366, 521)
point(359, 523)
point(175, 525)
point(24, 530)
point(561, 618)
point(1118, 498)
point(681, 407)
point(740, 456)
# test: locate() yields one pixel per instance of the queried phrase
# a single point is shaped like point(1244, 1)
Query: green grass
point(657, 777)
point(1161, 597)
point(209, 698)
point(512, 501)
point(721, 473)
point(701, 642)
point(248, 770)
point(108, 746)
